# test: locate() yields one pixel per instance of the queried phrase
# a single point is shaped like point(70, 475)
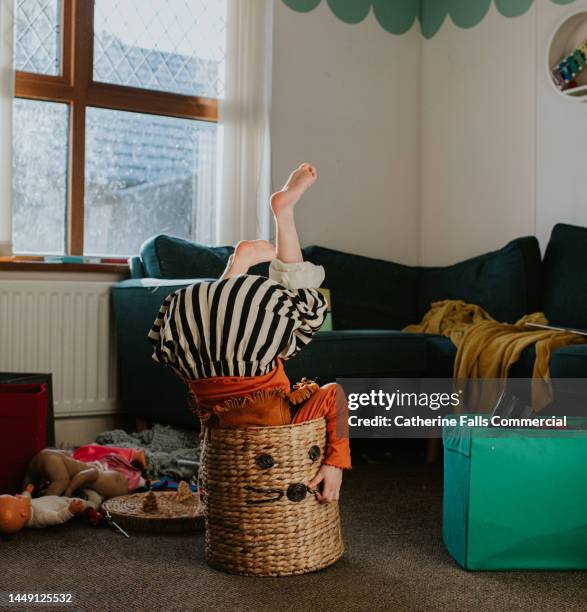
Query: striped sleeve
point(155, 331)
point(308, 311)
point(164, 349)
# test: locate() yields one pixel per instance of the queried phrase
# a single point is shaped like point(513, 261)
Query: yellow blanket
point(487, 348)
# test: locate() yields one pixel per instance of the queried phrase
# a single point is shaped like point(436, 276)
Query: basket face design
point(260, 518)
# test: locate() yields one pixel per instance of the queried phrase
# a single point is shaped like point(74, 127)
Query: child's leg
point(248, 253)
point(324, 404)
point(251, 252)
point(283, 204)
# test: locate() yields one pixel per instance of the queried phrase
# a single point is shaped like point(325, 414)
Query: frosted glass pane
point(39, 176)
point(37, 45)
point(168, 45)
point(146, 175)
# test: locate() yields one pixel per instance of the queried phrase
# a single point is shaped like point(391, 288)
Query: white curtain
point(245, 170)
point(6, 100)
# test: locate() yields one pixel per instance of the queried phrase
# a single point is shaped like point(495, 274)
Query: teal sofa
point(372, 301)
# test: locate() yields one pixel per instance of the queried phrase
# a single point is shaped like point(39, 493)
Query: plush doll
point(64, 474)
point(18, 511)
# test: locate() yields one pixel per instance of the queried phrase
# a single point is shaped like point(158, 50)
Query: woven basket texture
point(171, 517)
point(260, 518)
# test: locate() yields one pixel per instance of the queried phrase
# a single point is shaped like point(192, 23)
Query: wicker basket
point(171, 516)
point(261, 520)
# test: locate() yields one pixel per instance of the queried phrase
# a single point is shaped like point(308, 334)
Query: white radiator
point(64, 328)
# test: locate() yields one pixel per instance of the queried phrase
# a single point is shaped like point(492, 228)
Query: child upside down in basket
point(226, 339)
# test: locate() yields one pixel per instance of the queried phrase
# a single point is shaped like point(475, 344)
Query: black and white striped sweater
point(235, 327)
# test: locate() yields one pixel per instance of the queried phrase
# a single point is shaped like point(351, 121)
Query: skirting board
point(83, 430)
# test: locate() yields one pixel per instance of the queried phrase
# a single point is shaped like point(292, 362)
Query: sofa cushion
point(383, 353)
point(503, 282)
point(165, 256)
point(565, 276)
point(441, 353)
point(569, 362)
point(136, 267)
point(170, 257)
point(367, 293)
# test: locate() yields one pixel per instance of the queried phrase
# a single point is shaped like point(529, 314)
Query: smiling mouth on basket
point(296, 492)
point(276, 495)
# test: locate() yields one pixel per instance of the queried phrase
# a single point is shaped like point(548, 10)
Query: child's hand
point(331, 479)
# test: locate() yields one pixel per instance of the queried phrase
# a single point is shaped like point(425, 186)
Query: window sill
point(39, 266)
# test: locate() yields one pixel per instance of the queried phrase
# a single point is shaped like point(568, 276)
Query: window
point(143, 174)
point(40, 183)
point(115, 123)
point(37, 36)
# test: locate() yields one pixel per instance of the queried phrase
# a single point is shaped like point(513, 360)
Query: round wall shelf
point(569, 36)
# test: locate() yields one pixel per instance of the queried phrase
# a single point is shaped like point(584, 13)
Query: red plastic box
point(23, 431)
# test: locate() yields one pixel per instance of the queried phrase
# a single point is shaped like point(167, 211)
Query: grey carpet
point(395, 561)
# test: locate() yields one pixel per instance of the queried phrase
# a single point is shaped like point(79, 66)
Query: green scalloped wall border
point(398, 16)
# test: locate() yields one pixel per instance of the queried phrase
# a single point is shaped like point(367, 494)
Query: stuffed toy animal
point(18, 511)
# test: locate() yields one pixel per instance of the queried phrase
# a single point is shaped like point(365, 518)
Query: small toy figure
point(150, 503)
point(18, 511)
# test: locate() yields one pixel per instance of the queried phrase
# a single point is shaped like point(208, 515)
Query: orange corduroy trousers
point(253, 401)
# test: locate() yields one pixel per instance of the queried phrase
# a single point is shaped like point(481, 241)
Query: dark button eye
point(314, 453)
point(265, 461)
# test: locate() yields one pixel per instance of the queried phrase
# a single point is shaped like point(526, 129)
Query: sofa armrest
point(146, 389)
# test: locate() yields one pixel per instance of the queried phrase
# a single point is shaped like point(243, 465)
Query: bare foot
point(249, 253)
point(297, 183)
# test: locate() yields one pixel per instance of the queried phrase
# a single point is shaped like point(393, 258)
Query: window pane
point(145, 175)
point(37, 45)
point(168, 45)
point(39, 176)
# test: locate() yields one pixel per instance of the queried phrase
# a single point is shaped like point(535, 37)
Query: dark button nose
point(265, 461)
point(297, 492)
point(314, 453)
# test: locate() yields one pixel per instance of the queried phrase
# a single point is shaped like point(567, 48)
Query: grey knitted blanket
point(164, 447)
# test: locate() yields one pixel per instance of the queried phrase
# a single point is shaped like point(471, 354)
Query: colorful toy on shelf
point(564, 73)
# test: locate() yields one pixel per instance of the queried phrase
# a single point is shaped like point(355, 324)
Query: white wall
point(478, 136)
point(561, 178)
point(346, 98)
point(503, 154)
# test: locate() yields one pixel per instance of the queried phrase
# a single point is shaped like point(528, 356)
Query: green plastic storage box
point(515, 499)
